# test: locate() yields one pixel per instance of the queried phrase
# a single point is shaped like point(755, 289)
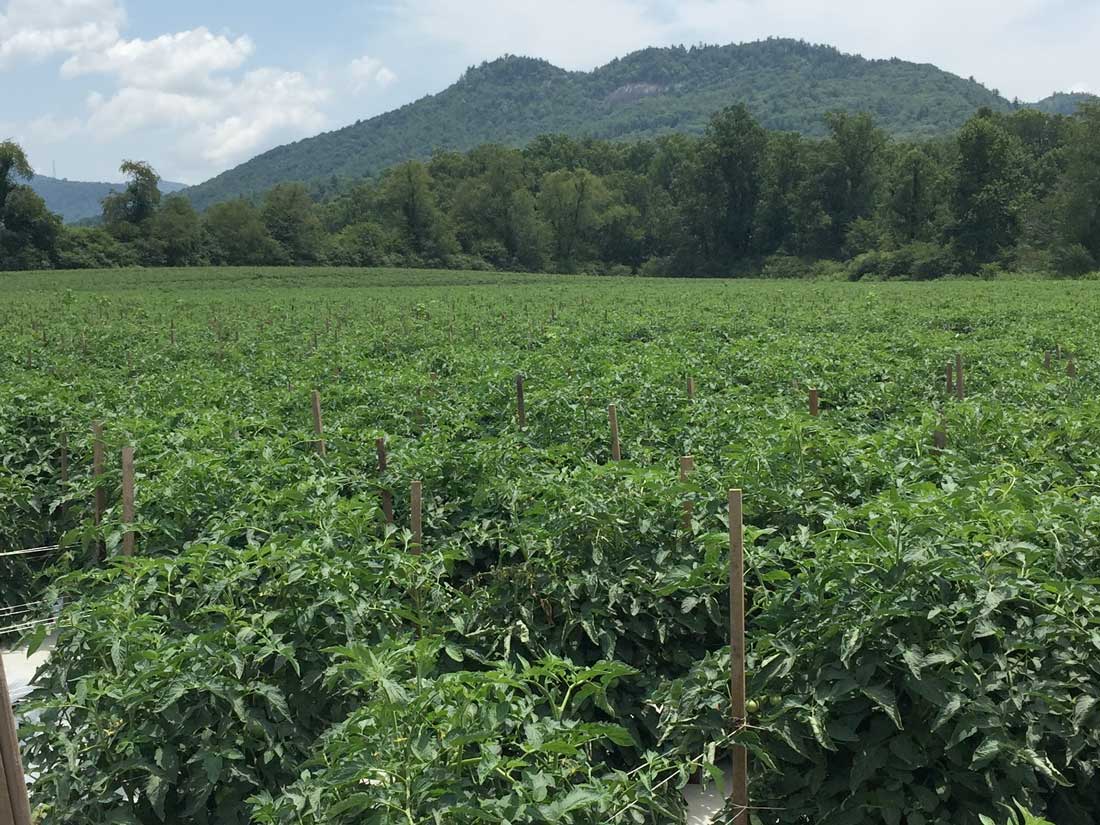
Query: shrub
point(1073, 260)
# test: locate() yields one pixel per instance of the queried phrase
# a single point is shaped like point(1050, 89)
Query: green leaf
point(817, 725)
point(885, 699)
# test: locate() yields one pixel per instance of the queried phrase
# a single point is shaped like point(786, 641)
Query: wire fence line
point(32, 551)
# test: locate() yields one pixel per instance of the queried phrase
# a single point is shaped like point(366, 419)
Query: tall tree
point(138, 202)
point(851, 175)
point(177, 232)
point(412, 208)
point(238, 236)
point(13, 167)
point(913, 195)
point(291, 219)
point(570, 202)
point(727, 181)
point(989, 187)
point(29, 232)
point(1081, 203)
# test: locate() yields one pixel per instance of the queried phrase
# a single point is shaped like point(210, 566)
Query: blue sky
point(200, 86)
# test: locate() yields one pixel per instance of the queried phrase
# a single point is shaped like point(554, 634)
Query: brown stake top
point(687, 467)
point(128, 500)
point(521, 409)
point(415, 517)
point(814, 403)
point(613, 420)
point(318, 429)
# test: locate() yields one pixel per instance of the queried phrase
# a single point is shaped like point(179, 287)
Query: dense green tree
point(494, 212)
point(362, 244)
point(989, 189)
point(721, 192)
point(1080, 206)
point(28, 230)
point(238, 235)
point(138, 202)
point(291, 219)
point(570, 201)
point(176, 232)
point(13, 168)
point(93, 247)
point(411, 207)
point(851, 174)
point(914, 193)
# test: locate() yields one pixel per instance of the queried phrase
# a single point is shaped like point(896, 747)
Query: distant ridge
point(788, 85)
point(78, 200)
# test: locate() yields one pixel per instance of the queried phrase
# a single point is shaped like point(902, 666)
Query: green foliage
point(922, 626)
point(496, 745)
point(989, 189)
point(292, 222)
point(92, 247)
point(238, 235)
point(138, 202)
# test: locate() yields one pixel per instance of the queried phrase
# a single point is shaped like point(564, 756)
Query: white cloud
point(220, 125)
point(185, 88)
point(267, 102)
point(36, 29)
point(184, 61)
point(365, 72)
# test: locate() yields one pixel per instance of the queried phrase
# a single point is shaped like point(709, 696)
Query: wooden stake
point(387, 496)
point(814, 403)
point(1071, 369)
point(415, 515)
point(172, 332)
point(318, 429)
point(64, 458)
point(960, 381)
point(1046, 360)
point(613, 419)
point(691, 388)
point(15, 807)
point(939, 439)
point(739, 794)
point(950, 378)
point(98, 461)
point(521, 409)
point(128, 499)
point(687, 467)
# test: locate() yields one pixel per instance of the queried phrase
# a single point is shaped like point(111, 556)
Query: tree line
point(1007, 191)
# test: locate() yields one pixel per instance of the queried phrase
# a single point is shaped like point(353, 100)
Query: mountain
point(76, 200)
point(1063, 103)
point(788, 85)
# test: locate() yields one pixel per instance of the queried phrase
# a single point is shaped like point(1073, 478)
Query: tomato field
point(923, 619)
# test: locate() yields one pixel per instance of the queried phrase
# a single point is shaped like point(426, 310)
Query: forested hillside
point(77, 200)
point(787, 85)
